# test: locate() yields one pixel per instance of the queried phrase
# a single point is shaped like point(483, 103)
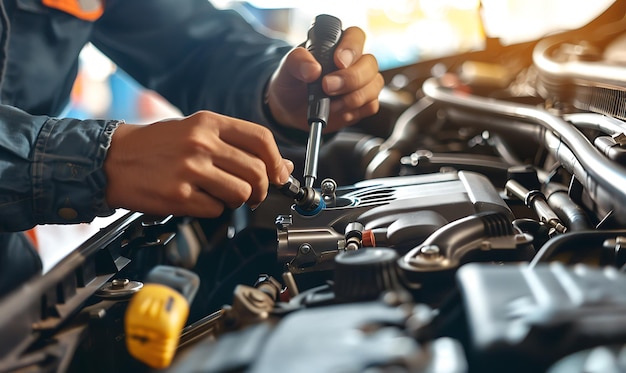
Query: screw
point(283, 221)
point(328, 186)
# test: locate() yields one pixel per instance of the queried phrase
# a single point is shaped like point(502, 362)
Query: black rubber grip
point(322, 41)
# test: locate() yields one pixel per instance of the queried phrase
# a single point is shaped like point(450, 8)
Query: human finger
point(259, 141)
point(196, 203)
point(359, 97)
point(231, 189)
point(298, 65)
point(177, 199)
point(236, 167)
point(361, 73)
point(240, 177)
point(346, 118)
point(350, 47)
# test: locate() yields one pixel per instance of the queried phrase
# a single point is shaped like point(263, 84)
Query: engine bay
point(475, 224)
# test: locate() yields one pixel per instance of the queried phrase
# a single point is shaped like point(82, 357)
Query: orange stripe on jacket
point(32, 236)
point(88, 10)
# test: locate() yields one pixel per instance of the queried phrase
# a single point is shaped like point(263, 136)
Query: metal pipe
point(572, 70)
point(312, 154)
point(595, 170)
point(570, 213)
point(602, 123)
point(536, 200)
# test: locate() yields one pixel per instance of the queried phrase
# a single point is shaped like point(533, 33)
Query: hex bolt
point(119, 288)
point(305, 248)
point(520, 238)
point(119, 283)
point(420, 156)
point(430, 251)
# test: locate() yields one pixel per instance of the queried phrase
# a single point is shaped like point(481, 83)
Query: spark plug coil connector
point(308, 201)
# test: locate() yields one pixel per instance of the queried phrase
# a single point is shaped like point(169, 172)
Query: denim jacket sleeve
point(196, 56)
point(51, 169)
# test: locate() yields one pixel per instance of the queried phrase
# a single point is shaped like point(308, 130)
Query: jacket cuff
point(67, 172)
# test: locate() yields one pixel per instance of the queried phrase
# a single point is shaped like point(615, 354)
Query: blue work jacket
point(197, 57)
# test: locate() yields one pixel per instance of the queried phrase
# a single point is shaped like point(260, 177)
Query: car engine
point(475, 224)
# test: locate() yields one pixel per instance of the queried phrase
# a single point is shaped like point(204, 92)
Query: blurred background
point(400, 33)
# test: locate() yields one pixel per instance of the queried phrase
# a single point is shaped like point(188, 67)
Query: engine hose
point(601, 72)
point(609, 125)
point(453, 240)
point(527, 130)
point(595, 171)
point(571, 214)
point(402, 140)
point(579, 247)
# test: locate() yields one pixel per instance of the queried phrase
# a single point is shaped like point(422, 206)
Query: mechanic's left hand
point(353, 88)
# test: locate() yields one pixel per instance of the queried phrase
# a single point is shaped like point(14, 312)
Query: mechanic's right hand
point(194, 166)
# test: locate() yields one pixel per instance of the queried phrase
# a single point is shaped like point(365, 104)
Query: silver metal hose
point(591, 168)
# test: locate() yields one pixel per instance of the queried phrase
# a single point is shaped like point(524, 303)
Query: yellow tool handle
point(153, 322)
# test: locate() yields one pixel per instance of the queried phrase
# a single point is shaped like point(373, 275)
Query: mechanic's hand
point(353, 88)
point(193, 166)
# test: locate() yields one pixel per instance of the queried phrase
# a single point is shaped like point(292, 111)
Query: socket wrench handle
point(323, 37)
point(322, 40)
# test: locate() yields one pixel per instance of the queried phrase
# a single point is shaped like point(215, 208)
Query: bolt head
point(430, 251)
point(119, 283)
point(305, 248)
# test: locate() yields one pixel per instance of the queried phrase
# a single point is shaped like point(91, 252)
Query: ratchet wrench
point(322, 40)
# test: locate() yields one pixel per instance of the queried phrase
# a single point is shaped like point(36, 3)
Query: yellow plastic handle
point(153, 322)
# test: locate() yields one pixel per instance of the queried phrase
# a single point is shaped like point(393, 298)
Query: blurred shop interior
point(400, 32)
